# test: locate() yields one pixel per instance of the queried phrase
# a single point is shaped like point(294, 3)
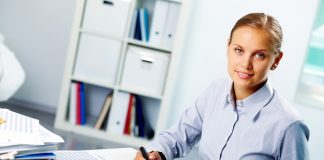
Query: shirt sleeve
point(294, 144)
point(178, 140)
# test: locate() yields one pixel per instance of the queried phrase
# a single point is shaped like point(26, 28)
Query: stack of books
point(24, 138)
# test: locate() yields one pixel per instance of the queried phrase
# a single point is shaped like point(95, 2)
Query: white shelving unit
point(91, 34)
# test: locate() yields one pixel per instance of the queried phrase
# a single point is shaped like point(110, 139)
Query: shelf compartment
point(92, 102)
point(97, 57)
point(145, 70)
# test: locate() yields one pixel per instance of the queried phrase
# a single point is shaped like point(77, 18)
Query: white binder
point(72, 106)
point(171, 25)
point(158, 23)
point(133, 24)
point(117, 114)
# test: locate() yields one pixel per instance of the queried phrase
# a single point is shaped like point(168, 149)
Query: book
point(127, 127)
point(104, 111)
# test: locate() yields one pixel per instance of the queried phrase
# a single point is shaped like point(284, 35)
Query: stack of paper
point(24, 135)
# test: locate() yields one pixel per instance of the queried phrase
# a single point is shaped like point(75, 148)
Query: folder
point(127, 127)
point(171, 25)
point(72, 107)
point(144, 23)
point(83, 104)
point(158, 22)
point(138, 34)
point(133, 24)
point(104, 112)
point(117, 114)
point(78, 104)
point(139, 120)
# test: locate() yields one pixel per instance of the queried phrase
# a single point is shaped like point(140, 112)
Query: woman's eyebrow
point(237, 45)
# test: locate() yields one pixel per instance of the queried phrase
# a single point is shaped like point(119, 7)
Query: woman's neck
point(243, 92)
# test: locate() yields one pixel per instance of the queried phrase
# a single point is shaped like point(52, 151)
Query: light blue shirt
point(263, 127)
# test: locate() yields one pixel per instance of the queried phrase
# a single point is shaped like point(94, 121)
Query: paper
point(48, 136)
point(98, 154)
point(18, 129)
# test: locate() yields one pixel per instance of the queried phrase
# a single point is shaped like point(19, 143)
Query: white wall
point(38, 32)
point(204, 58)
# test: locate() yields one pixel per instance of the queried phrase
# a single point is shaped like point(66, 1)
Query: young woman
point(242, 118)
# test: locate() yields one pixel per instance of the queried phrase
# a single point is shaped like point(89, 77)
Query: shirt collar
point(252, 104)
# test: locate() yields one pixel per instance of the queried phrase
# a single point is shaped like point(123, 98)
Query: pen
point(144, 153)
point(2, 121)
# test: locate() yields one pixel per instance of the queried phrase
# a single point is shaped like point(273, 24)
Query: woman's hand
point(152, 156)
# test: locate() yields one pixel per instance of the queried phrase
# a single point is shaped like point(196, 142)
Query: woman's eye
point(238, 50)
point(259, 55)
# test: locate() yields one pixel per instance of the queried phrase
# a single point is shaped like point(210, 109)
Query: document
point(98, 154)
point(23, 137)
point(18, 129)
point(48, 136)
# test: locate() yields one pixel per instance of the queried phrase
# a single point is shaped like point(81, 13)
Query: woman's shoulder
point(286, 112)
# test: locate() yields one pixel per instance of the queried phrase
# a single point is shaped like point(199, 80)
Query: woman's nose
point(246, 63)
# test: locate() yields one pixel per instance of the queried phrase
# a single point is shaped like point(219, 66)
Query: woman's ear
point(277, 61)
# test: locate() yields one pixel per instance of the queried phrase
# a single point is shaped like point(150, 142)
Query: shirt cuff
point(162, 156)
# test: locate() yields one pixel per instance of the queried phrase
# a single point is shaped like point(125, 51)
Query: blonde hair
point(265, 22)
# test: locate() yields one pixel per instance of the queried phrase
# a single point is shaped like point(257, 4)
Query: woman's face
point(250, 58)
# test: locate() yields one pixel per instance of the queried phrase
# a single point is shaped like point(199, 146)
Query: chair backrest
point(12, 74)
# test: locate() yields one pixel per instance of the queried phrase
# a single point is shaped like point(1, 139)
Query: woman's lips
point(244, 75)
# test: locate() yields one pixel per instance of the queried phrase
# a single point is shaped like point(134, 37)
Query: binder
point(133, 24)
point(83, 104)
point(127, 127)
point(138, 34)
point(104, 112)
point(133, 116)
point(139, 120)
point(171, 25)
point(72, 107)
point(117, 114)
point(144, 23)
point(78, 104)
point(159, 21)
